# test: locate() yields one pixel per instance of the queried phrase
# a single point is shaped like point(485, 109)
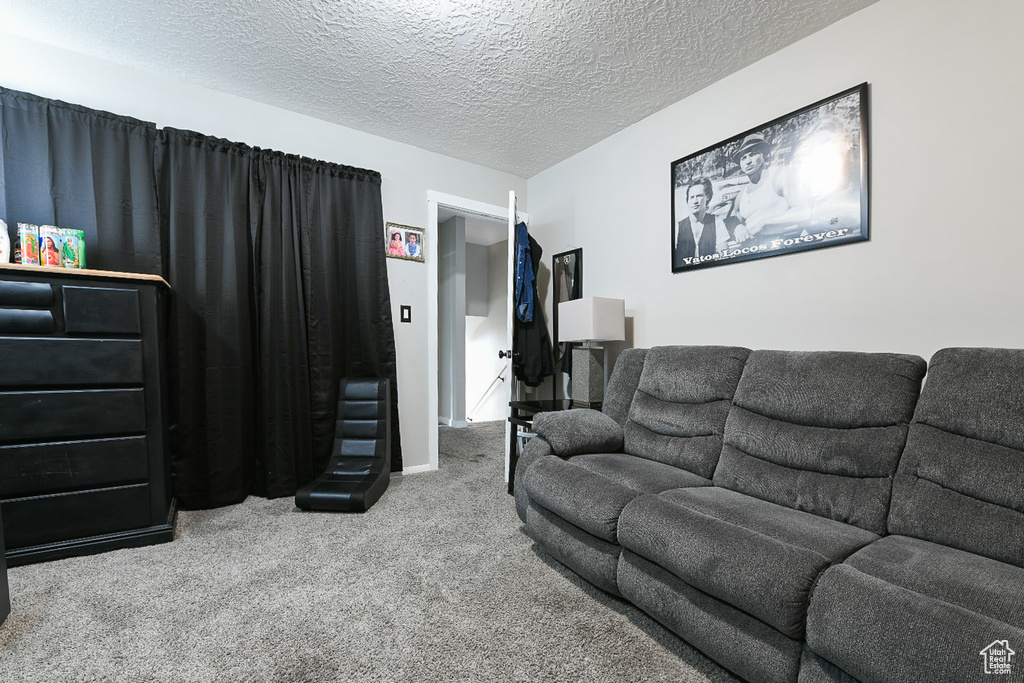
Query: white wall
point(943, 266)
point(476, 280)
point(408, 173)
point(485, 336)
point(451, 322)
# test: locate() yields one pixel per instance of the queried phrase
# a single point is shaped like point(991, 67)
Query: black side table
point(521, 417)
point(5, 591)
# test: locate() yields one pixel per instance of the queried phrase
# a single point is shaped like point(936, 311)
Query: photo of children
point(404, 242)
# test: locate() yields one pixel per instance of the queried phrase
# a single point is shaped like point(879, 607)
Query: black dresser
point(84, 453)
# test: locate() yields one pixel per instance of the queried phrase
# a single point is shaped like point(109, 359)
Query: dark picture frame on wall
point(566, 285)
point(796, 183)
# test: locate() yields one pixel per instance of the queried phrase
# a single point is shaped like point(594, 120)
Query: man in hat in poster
point(763, 200)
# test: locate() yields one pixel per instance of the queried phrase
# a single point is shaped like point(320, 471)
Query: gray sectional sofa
point(800, 516)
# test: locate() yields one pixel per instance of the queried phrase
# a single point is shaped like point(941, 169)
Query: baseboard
point(133, 538)
point(416, 469)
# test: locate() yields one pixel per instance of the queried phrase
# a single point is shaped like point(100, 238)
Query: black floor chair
point(360, 467)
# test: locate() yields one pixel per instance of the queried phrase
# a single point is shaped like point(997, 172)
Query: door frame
point(465, 206)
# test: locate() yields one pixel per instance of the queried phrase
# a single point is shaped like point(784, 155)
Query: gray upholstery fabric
point(843, 389)
point(536, 448)
point(590, 491)
point(759, 557)
point(814, 669)
point(593, 559)
point(639, 474)
point(734, 639)
point(961, 477)
point(976, 392)
point(903, 609)
point(622, 384)
point(862, 502)
point(681, 403)
point(821, 431)
point(580, 430)
point(970, 581)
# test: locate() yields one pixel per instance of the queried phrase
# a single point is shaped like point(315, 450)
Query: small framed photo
point(404, 241)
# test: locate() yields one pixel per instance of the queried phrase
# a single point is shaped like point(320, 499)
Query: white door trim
point(434, 200)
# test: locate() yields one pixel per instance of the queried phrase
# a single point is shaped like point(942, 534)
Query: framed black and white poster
point(567, 285)
point(799, 182)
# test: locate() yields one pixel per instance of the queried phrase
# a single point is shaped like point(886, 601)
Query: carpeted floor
point(437, 582)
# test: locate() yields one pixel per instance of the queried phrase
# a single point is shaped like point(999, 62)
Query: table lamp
point(588, 320)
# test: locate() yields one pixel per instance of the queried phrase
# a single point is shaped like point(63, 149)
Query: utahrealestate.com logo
point(997, 657)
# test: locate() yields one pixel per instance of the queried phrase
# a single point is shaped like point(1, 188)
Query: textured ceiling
point(514, 85)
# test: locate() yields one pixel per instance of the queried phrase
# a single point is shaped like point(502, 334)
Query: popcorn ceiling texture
point(514, 85)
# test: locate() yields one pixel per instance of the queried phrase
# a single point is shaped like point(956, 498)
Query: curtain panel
point(277, 268)
point(66, 165)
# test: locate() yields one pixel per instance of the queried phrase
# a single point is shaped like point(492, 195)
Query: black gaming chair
point(360, 467)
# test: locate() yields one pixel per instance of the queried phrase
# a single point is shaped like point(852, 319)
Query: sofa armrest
point(581, 430)
point(536, 448)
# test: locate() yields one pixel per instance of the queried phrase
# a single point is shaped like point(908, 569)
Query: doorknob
point(505, 354)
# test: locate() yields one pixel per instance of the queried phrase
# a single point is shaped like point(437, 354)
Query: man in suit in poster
point(700, 233)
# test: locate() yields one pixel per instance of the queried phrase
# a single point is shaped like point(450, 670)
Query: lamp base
point(588, 377)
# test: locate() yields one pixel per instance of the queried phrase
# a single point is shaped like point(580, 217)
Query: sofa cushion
point(579, 431)
point(759, 557)
point(814, 669)
point(961, 479)
point(590, 491)
point(746, 646)
point(907, 609)
point(594, 559)
point(622, 384)
point(821, 432)
point(682, 400)
point(534, 450)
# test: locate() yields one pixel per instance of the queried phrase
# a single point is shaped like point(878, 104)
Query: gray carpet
point(437, 582)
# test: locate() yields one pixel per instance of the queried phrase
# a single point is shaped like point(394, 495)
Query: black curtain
point(323, 308)
point(278, 273)
point(65, 165)
point(204, 187)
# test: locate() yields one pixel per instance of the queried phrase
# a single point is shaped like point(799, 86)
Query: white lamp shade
point(592, 319)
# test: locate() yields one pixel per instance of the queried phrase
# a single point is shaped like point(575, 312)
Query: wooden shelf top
point(80, 272)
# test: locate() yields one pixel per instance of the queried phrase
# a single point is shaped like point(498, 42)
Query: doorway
point(472, 289)
point(468, 320)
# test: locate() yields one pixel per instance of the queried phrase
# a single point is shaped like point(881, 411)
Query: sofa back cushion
point(678, 412)
point(821, 431)
point(961, 478)
point(622, 384)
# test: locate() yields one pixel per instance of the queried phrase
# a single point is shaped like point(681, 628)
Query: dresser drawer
point(57, 517)
point(69, 362)
point(58, 415)
point(54, 467)
point(101, 310)
point(26, 294)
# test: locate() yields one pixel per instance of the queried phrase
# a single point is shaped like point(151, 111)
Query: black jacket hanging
point(532, 359)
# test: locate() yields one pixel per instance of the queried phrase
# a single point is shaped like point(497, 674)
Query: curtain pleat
point(204, 187)
point(285, 456)
point(277, 268)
